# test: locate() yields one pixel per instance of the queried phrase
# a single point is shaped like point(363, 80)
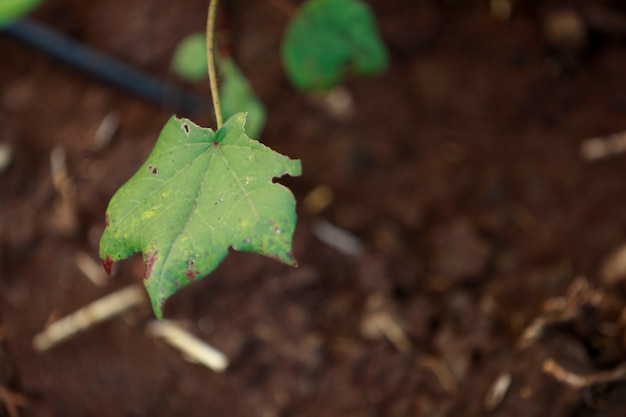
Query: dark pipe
point(103, 66)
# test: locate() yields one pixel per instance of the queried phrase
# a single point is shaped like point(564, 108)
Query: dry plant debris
point(106, 130)
point(337, 238)
point(442, 372)
point(379, 321)
point(601, 147)
point(551, 367)
point(193, 348)
point(6, 156)
point(92, 269)
point(497, 391)
point(614, 267)
point(318, 199)
point(561, 310)
point(100, 310)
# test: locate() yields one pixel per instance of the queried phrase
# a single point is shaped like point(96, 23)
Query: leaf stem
point(210, 57)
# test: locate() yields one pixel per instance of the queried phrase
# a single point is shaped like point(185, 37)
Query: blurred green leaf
point(11, 10)
point(236, 96)
point(328, 37)
point(189, 59)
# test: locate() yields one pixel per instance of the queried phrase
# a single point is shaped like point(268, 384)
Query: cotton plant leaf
point(198, 194)
point(326, 38)
point(189, 60)
point(236, 93)
point(11, 10)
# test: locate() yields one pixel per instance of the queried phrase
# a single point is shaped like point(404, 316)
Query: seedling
point(236, 94)
point(199, 193)
point(324, 41)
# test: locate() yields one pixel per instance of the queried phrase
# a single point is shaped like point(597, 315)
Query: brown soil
point(459, 170)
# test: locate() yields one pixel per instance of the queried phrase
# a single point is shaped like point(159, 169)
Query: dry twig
point(379, 321)
point(442, 372)
point(498, 390)
point(193, 348)
point(561, 310)
point(578, 381)
point(96, 312)
point(604, 146)
point(337, 238)
point(92, 269)
point(106, 130)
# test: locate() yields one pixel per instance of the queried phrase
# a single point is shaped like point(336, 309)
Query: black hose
point(103, 66)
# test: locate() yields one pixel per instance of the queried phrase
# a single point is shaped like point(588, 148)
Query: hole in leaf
point(185, 127)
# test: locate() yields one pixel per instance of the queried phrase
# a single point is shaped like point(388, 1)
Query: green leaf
point(11, 10)
point(326, 37)
point(189, 60)
point(198, 194)
point(236, 95)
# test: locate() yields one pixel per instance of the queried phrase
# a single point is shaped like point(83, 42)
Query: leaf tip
point(295, 168)
point(157, 299)
point(292, 260)
point(107, 263)
point(240, 118)
point(158, 310)
point(286, 258)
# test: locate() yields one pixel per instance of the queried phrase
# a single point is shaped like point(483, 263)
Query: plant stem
point(210, 57)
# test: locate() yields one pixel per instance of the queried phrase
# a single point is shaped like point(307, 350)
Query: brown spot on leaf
point(191, 274)
point(149, 261)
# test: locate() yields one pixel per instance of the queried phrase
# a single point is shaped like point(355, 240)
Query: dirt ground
point(486, 283)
